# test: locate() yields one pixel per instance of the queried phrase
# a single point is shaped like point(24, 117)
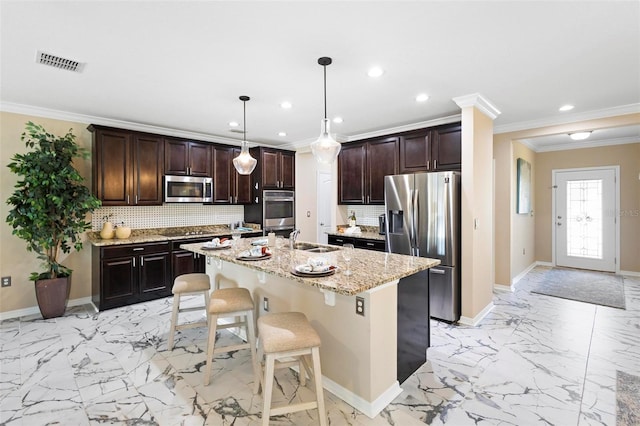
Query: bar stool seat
point(289, 335)
point(231, 302)
point(188, 284)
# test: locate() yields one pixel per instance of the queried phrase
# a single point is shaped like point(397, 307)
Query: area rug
point(598, 288)
point(627, 399)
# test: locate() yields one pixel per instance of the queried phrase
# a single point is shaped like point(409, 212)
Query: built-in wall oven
point(278, 210)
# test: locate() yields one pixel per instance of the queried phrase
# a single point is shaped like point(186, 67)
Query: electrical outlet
point(265, 304)
point(360, 305)
point(6, 281)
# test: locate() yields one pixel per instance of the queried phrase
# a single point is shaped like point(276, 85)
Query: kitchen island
point(355, 315)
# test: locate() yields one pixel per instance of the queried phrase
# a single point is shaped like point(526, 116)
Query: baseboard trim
point(476, 320)
point(34, 310)
point(521, 275)
point(505, 288)
point(630, 273)
point(370, 409)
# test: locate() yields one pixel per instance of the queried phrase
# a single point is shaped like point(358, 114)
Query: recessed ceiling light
point(282, 134)
point(579, 136)
point(565, 108)
point(337, 120)
point(286, 105)
point(422, 97)
point(233, 124)
point(375, 72)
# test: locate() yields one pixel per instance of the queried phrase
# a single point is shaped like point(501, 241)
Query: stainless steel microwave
point(188, 189)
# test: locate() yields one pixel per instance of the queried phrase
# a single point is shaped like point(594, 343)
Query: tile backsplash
point(166, 216)
point(366, 215)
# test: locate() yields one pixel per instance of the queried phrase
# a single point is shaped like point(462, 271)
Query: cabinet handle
point(256, 200)
point(134, 262)
point(138, 249)
point(231, 199)
point(339, 240)
point(141, 262)
point(435, 164)
point(136, 198)
point(127, 198)
point(362, 199)
point(368, 199)
point(437, 271)
point(370, 244)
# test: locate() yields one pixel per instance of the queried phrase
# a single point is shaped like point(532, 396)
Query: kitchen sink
point(314, 248)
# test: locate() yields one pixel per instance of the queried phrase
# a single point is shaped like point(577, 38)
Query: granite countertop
point(370, 268)
point(368, 232)
point(151, 235)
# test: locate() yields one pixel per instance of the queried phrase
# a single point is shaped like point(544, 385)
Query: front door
point(585, 220)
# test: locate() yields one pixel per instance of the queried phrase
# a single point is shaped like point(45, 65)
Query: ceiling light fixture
point(337, 120)
point(565, 108)
point(422, 97)
point(375, 72)
point(233, 124)
point(286, 105)
point(325, 149)
point(244, 162)
point(579, 136)
point(282, 134)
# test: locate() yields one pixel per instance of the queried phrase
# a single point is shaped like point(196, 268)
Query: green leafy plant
point(50, 203)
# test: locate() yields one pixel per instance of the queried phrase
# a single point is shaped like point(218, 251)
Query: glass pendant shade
point(325, 149)
point(244, 162)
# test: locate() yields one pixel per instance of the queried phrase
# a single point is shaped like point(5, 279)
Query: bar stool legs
point(188, 284)
point(231, 302)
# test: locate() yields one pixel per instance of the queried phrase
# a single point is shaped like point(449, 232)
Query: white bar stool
point(289, 335)
point(231, 302)
point(188, 284)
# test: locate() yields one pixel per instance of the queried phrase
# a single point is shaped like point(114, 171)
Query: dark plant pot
point(52, 296)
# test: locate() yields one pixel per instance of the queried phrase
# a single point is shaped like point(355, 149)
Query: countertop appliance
point(423, 219)
point(274, 210)
point(188, 189)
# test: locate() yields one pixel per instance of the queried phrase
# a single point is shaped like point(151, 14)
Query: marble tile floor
point(534, 360)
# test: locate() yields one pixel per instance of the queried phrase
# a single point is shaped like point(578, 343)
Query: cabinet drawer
point(339, 241)
point(133, 250)
point(377, 245)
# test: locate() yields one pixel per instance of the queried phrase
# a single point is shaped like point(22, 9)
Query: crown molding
point(121, 124)
point(405, 128)
point(581, 144)
point(478, 101)
point(568, 118)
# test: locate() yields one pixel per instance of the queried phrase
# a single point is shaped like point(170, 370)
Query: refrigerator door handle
point(437, 271)
point(414, 225)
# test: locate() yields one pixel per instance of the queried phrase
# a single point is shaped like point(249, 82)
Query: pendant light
point(244, 162)
point(325, 149)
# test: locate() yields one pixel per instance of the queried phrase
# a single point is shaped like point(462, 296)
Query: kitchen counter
point(151, 235)
point(368, 232)
point(370, 268)
point(355, 316)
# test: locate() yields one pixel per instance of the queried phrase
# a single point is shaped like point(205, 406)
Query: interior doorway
point(586, 230)
point(324, 206)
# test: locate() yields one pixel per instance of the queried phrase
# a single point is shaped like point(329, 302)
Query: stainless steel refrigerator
point(423, 219)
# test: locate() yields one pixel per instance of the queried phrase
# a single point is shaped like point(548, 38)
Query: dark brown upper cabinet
point(433, 149)
point(187, 158)
point(275, 168)
point(229, 186)
point(127, 167)
point(362, 167)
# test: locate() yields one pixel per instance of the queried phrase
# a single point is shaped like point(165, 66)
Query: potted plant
point(50, 208)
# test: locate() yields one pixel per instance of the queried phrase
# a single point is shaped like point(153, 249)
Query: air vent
point(58, 62)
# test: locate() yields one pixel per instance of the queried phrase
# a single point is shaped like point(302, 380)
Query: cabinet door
point(222, 175)
point(287, 170)
point(415, 152)
point(182, 262)
point(351, 173)
point(241, 183)
point(153, 273)
point(446, 148)
point(176, 157)
point(118, 282)
point(113, 171)
point(148, 158)
point(270, 169)
point(199, 159)
point(382, 160)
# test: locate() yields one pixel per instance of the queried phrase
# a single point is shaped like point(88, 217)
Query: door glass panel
point(584, 218)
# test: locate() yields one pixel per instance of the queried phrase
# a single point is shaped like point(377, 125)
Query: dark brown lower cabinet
point(363, 243)
point(186, 262)
point(127, 274)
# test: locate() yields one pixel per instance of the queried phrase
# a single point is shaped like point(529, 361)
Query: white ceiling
point(180, 66)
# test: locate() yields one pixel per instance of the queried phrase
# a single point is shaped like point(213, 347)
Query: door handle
point(437, 271)
point(559, 223)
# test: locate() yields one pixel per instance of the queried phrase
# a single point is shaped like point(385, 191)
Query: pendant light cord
point(324, 67)
point(244, 120)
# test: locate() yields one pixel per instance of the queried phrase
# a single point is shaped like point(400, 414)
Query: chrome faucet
point(293, 236)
